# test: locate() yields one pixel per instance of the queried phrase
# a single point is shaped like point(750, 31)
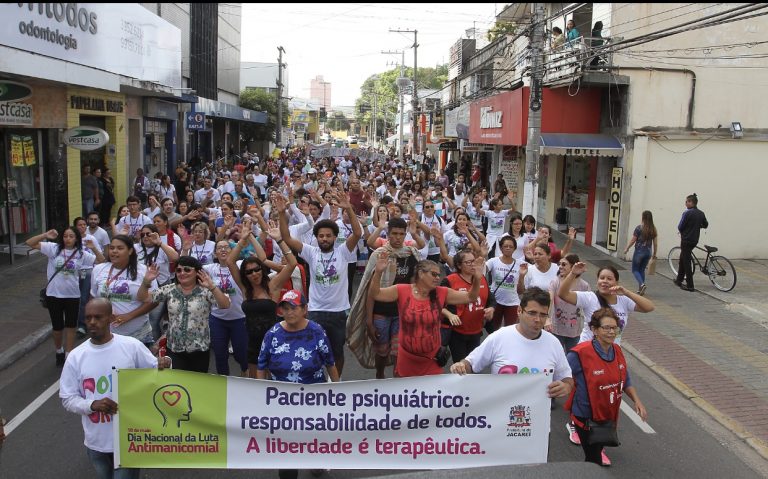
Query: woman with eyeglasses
point(190, 300)
point(260, 292)
point(609, 294)
point(119, 280)
point(516, 231)
point(152, 250)
point(420, 306)
point(597, 397)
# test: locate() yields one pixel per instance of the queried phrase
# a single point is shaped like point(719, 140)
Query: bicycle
point(718, 269)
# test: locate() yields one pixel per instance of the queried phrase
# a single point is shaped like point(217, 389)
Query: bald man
point(91, 365)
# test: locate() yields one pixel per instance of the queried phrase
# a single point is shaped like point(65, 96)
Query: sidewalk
point(24, 324)
point(709, 345)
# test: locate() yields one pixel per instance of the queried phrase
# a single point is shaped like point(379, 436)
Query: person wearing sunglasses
point(260, 291)
point(190, 300)
point(419, 307)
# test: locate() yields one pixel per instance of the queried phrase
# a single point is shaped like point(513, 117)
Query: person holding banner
point(524, 348)
point(82, 390)
point(280, 360)
point(420, 308)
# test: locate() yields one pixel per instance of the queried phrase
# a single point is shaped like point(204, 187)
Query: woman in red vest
point(601, 375)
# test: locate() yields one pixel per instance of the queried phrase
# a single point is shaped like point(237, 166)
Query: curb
point(12, 354)
point(758, 445)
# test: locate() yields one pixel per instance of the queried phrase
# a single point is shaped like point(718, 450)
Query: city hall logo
point(519, 424)
point(173, 403)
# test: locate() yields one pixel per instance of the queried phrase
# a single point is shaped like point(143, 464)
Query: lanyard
point(199, 252)
point(326, 264)
point(112, 278)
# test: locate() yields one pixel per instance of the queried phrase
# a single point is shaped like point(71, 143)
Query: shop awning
point(580, 144)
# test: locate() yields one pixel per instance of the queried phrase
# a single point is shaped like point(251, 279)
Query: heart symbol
point(171, 397)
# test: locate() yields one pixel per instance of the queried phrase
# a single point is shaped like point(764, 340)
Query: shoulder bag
point(43, 294)
point(602, 433)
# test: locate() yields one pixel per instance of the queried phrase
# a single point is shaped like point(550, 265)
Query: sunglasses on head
point(185, 269)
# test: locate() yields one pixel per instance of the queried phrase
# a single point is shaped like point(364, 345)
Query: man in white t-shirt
point(91, 365)
point(328, 294)
point(132, 223)
point(207, 192)
point(524, 348)
point(98, 233)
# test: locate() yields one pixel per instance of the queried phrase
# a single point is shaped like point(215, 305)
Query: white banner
point(435, 422)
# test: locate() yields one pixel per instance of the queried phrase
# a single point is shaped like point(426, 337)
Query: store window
point(577, 191)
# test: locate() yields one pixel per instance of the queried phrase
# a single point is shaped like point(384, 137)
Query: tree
point(260, 100)
point(338, 122)
point(384, 87)
point(500, 29)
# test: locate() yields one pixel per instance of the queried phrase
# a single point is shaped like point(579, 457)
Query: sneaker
point(60, 358)
point(643, 287)
point(572, 435)
point(604, 459)
point(679, 284)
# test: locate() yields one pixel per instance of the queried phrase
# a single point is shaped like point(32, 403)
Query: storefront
point(576, 184)
point(31, 114)
point(160, 119)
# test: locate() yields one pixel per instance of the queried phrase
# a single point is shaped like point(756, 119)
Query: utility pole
point(279, 127)
point(414, 97)
point(531, 185)
point(401, 84)
point(374, 113)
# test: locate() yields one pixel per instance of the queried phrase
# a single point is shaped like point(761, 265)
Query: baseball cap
point(293, 297)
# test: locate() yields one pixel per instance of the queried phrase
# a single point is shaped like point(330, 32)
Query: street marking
point(31, 408)
point(636, 418)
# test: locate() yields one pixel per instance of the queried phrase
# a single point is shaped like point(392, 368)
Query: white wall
point(729, 177)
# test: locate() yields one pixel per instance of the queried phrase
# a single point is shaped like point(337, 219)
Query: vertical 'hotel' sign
point(614, 205)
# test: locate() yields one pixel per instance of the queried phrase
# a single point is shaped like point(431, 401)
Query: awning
point(580, 144)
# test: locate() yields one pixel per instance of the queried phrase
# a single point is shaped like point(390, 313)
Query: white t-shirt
point(66, 284)
point(506, 289)
point(161, 260)
point(135, 224)
point(507, 351)
point(328, 287)
point(260, 180)
point(166, 191)
point(454, 242)
point(151, 212)
point(204, 253)
point(176, 241)
point(495, 224)
point(534, 277)
point(589, 303)
point(429, 222)
point(475, 217)
point(223, 279)
point(345, 231)
point(102, 238)
point(115, 285)
point(202, 194)
point(87, 237)
point(87, 377)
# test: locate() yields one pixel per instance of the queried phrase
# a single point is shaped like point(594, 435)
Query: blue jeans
point(155, 319)
point(222, 332)
point(85, 293)
point(639, 262)
point(104, 463)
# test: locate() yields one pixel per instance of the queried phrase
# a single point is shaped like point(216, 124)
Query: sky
point(343, 42)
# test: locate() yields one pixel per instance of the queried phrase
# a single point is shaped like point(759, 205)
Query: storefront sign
point(510, 167)
point(437, 124)
point(15, 113)
point(12, 91)
point(467, 147)
point(78, 102)
point(614, 207)
point(180, 419)
point(127, 39)
point(86, 138)
point(448, 146)
point(491, 120)
point(195, 121)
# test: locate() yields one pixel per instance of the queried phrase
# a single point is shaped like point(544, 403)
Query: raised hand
point(579, 268)
point(618, 290)
point(51, 234)
point(382, 261)
point(279, 203)
point(205, 280)
point(572, 232)
point(274, 233)
point(342, 199)
point(153, 271)
point(523, 268)
point(155, 238)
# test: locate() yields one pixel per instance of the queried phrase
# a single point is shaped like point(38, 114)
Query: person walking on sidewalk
point(646, 242)
point(690, 228)
point(94, 362)
point(66, 260)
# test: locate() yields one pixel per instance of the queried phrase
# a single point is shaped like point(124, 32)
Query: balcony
point(578, 60)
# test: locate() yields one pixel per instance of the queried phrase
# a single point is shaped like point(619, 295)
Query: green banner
point(171, 419)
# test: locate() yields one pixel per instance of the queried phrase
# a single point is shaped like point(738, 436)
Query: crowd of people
point(245, 260)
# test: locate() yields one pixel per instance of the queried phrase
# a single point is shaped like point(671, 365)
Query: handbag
point(602, 433)
point(442, 356)
point(43, 294)
point(652, 266)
